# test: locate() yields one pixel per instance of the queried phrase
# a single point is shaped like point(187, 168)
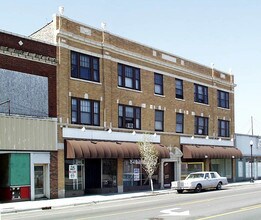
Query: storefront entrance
point(168, 174)
point(39, 181)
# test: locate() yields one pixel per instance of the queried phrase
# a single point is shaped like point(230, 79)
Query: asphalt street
point(242, 202)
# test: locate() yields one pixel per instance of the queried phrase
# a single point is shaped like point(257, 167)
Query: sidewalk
point(55, 203)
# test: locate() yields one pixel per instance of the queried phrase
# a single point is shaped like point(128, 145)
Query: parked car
point(198, 181)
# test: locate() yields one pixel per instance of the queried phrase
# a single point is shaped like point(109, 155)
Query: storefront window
point(135, 175)
point(222, 166)
point(74, 180)
point(109, 173)
point(187, 168)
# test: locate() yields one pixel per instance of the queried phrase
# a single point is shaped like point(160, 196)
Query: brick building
point(112, 90)
point(28, 124)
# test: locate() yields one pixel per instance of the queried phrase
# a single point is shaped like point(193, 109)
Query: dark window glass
point(223, 128)
point(179, 88)
point(158, 84)
point(84, 67)
point(129, 117)
point(109, 173)
point(74, 64)
point(200, 94)
point(201, 125)
point(159, 120)
point(85, 111)
point(223, 99)
point(179, 122)
point(128, 77)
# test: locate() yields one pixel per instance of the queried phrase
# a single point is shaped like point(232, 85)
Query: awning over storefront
point(98, 149)
point(212, 152)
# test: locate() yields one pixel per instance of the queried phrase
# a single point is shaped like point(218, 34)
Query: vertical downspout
point(213, 127)
point(103, 75)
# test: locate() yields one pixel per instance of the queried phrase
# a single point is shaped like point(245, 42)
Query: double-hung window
point(129, 117)
point(84, 67)
point(158, 84)
point(200, 94)
point(85, 111)
point(223, 99)
point(201, 125)
point(128, 77)
point(159, 120)
point(179, 122)
point(179, 88)
point(223, 128)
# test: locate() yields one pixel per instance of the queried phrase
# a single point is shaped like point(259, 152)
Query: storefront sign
point(72, 172)
point(136, 161)
point(136, 173)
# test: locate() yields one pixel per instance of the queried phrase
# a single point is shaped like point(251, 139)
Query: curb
point(16, 207)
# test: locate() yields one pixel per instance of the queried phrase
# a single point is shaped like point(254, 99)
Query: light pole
point(251, 160)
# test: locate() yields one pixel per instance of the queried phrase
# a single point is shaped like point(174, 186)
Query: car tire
point(198, 188)
point(219, 186)
point(180, 190)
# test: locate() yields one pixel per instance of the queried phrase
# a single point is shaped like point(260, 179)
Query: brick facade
point(32, 57)
point(111, 50)
point(119, 50)
point(54, 175)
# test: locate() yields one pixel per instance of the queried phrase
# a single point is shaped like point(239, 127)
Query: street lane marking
point(170, 212)
point(244, 209)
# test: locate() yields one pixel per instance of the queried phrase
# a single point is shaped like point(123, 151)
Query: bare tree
point(149, 158)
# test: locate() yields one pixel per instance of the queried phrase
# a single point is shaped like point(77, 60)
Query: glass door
point(39, 181)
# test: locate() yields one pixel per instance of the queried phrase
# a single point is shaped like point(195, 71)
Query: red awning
point(212, 152)
point(91, 149)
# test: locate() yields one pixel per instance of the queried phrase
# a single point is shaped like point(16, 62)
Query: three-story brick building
point(111, 91)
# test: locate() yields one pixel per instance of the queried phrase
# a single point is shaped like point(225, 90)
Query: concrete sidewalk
point(74, 201)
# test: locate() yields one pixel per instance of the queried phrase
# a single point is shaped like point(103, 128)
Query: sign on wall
point(72, 172)
point(136, 172)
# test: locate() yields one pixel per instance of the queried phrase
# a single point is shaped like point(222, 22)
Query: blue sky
point(226, 33)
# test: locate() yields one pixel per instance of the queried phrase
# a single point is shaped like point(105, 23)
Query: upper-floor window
point(201, 125)
point(159, 120)
point(223, 128)
point(179, 88)
point(129, 117)
point(128, 77)
point(179, 122)
point(84, 67)
point(223, 99)
point(200, 94)
point(85, 111)
point(158, 84)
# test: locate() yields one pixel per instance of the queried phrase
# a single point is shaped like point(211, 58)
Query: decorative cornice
point(27, 55)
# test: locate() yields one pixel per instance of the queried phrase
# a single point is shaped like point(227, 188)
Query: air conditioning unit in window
point(200, 131)
point(129, 125)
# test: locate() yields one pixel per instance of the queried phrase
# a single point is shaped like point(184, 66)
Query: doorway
point(168, 174)
point(39, 181)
